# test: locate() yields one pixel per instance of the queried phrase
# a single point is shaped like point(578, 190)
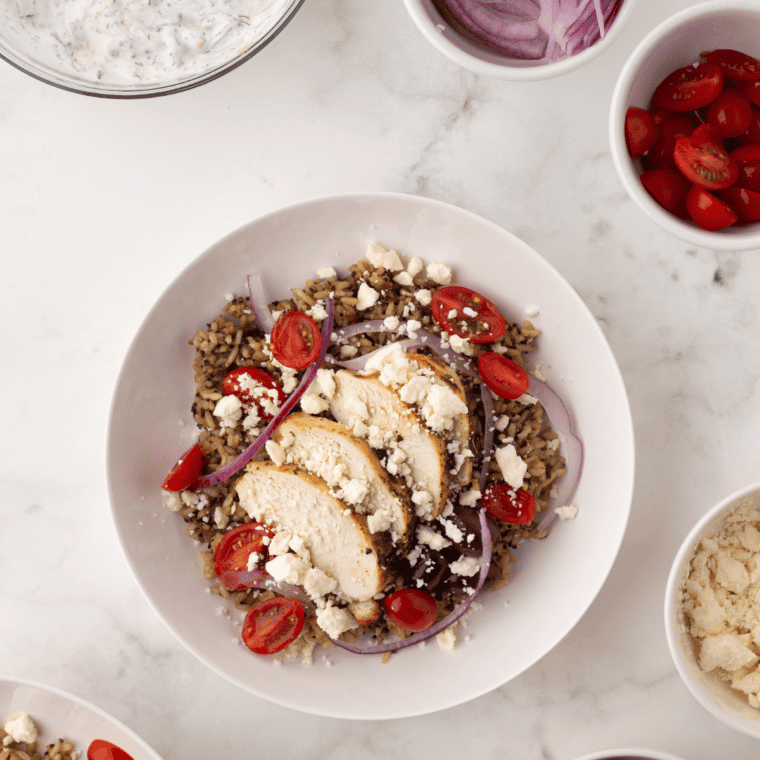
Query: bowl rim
point(154, 89)
point(731, 239)
point(672, 585)
point(426, 25)
point(630, 753)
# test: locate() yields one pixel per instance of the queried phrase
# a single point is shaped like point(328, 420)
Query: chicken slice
point(362, 401)
point(460, 434)
point(338, 540)
point(350, 468)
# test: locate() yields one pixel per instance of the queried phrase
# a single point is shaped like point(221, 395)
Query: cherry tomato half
point(504, 377)
point(411, 609)
point(255, 386)
point(271, 625)
point(465, 313)
point(187, 470)
point(510, 505)
point(674, 127)
point(752, 91)
point(705, 162)
point(234, 550)
point(689, 88)
point(640, 131)
point(745, 202)
point(747, 159)
point(100, 749)
point(730, 113)
point(296, 340)
point(708, 211)
point(669, 188)
point(735, 65)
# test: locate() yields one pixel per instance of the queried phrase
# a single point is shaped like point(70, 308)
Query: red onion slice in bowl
point(257, 296)
point(263, 580)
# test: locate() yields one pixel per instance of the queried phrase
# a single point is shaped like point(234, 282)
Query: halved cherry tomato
point(271, 625)
point(674, 127)
point(735, 65)
point(752, 91)
point(296, 340)
point(640, 131)
point(745, 202)
point(689, 88)
point(669, 188)
point(704, 162)
point(510, 505)
point(232, 553)
point(708, 211)
point(730, 113)
point(747, 159)
point(463, 312)
point(411, 609)
point(708, 133)
point(187, 470)
point(504, 377)
point(100, 749)
point(255, 386)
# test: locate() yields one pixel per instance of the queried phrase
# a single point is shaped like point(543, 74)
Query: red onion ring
point(259, 579)
point(562, 425)
point(443, 623)
point(257, 295)
point(206, 481)
point(489, 423)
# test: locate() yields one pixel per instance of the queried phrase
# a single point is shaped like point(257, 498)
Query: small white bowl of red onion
point(685, 125)
point(520, 40)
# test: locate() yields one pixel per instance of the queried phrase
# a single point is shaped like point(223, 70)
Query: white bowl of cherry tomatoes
point(685, 125)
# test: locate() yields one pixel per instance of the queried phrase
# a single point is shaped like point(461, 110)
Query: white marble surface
point(103, 202)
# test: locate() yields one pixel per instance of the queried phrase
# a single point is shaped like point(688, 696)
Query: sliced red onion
point(443, 623)
point(360, 328)
point(489, 425)
point(559, 417)
point(206, 481)
point(238, 579)
point(360, 362)
point(259, 304)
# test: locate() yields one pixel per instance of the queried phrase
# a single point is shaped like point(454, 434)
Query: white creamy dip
point(131, 41)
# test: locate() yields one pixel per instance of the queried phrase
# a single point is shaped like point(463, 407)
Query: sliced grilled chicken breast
point(461, 431)
point(338, 539)
point(352, 470)
point(393, 424)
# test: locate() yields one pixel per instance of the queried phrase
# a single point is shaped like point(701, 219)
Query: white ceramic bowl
point(466, 52)
point(59, 714)
point(718, 698)
point(675, 43)
point(557, 579)
point(35, 53)
point(630, 754)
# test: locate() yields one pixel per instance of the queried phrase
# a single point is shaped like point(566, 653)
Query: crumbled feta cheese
point(415, 266)
point(440, 273)
point(171, 500)
point(229, 410)
point(512, 467)
point(221, 519)
point(423, 297)
point(460, 345)
point(447, 639)
point(318, 312)
point(317, 583)
point(348, 352)
point(527, 399)
point(325, 379)
point(366, 297)
point(567, 513)
point(453, 531)
point(531, 311)
point(467, 566)
point(501, 423)
point(385, 258)
point(426, 535)
point(404, 279)
point(412, 326)
point(391, 323)
point(326, 272)
point(470, 498)
point(334, 621)
point(287, 568)
point(20, 727)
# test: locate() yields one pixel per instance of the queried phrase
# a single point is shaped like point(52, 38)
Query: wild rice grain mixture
point(19, 740)
point(234, 339)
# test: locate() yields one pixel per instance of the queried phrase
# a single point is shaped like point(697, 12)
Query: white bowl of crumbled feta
point(712, 611)
point(140, 48)
point(555, 579)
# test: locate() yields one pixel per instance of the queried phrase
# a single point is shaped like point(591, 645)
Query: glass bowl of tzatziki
point(136, 48)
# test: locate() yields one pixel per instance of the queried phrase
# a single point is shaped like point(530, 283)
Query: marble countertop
point(104, 202)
